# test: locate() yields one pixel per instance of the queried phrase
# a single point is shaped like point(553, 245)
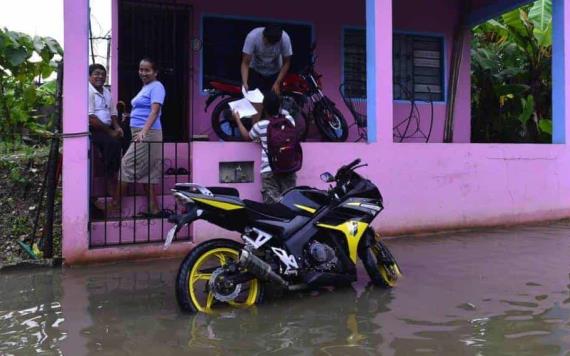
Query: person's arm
point(117, 126)
point(96, 124)
point(247, 54)
point(242, 130)
point(245, 62)
point(154, 110)
point(286, 52)
point(284, 70)
point(115, 119)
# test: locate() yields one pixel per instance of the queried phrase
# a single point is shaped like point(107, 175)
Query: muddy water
point(478, 293)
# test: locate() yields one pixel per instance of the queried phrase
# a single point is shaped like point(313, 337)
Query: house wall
point(328, 35)
point(426, 18)
point(425, 187)
point(327, 32)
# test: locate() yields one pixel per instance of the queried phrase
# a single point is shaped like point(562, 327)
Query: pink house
point(427, 184)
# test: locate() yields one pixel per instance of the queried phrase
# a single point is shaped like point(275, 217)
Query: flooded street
point(501, 291)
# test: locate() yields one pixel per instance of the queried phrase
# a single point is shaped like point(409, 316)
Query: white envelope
point(254, 96)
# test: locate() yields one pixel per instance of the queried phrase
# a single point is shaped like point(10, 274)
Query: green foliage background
point(23, 61)
point(512, 76)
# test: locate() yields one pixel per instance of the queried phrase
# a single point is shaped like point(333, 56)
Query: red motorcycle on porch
point(302, 96)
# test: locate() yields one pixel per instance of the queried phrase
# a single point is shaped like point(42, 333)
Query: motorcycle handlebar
point(347, 168)
point(354, 163)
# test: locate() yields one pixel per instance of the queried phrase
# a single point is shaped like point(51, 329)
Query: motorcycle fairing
point(353, 231)
point(220, 203)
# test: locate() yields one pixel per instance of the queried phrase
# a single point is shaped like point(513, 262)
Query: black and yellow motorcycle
point(311, 238)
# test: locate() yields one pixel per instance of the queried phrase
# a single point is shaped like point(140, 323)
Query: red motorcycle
point(302, 98)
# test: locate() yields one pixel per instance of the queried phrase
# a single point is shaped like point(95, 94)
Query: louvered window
point(354, 63)
point(417, 64)
point(418, 67)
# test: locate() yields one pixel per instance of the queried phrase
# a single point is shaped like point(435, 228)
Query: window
point(223, 39)
point(418, 67)
point(354, 63)
point(417, 60)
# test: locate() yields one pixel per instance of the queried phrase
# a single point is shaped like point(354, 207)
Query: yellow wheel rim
point(218, 257)
point(389, 277)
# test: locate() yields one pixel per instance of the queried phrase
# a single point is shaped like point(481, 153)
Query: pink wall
point(425, 186)
point(426, 18)
point(75, 164)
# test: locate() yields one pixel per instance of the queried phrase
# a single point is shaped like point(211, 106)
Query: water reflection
point(30, 313)
point(462, 295)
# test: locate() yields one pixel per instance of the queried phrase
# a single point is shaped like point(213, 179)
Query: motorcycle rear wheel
point(225, 127)
point(195, 278)
point(383, 271)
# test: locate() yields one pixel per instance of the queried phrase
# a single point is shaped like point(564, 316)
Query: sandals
point(110, 206)
point(176, 171)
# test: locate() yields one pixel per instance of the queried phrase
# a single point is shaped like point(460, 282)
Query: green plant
point(511, 76)
point(23, 61)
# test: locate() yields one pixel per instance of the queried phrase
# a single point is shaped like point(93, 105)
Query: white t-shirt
point(267, 60)
point(101, 104)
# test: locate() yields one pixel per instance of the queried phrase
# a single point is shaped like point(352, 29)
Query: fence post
point(53, 161)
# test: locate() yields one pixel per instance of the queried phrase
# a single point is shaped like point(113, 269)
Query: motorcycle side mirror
point(327, 177)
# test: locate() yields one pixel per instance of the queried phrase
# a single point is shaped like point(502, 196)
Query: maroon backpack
point(283, 146)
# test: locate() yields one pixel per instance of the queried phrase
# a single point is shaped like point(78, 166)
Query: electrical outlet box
point(236, 172)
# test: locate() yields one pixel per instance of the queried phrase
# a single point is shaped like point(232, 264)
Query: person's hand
point(125, 116)
point(119, 131)
point(236, 117)
point(276, 88)
point(141, 135)
point(245, 87)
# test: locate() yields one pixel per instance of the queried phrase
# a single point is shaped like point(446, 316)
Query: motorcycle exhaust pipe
point(260, 268)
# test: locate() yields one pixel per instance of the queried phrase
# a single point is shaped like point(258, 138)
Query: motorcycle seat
point(273, 210)
point(233, 192)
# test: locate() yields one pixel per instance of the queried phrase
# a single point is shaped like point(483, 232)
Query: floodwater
point(494, 292)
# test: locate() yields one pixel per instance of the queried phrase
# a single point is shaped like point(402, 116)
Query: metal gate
point(161, 31)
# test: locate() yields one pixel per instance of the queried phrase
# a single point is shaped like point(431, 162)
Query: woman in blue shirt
point(143, 161)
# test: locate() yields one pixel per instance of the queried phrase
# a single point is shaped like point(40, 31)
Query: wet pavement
point(494, 292)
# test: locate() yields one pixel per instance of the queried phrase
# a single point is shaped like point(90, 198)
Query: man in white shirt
point(266, 58)
point(106, 132)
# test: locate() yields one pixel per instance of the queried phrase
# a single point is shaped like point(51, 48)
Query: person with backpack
point(281, 154)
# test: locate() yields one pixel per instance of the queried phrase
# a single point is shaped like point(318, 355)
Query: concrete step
point(125, 232)
point(169, 181)
point(133, 206)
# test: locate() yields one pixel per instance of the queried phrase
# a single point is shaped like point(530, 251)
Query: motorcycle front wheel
point(201, 284)
point(223, 123)
point(330, 121)
point(381, 266)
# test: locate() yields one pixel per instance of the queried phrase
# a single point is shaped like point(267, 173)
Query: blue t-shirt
point(151, 93)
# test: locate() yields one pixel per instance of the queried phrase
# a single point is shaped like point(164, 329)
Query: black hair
point(271, 104)
point(94, 67)
point(273, 33)
point(152, 63)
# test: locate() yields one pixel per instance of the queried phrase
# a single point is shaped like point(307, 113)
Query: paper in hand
point(254, 96)
point(243, 107)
